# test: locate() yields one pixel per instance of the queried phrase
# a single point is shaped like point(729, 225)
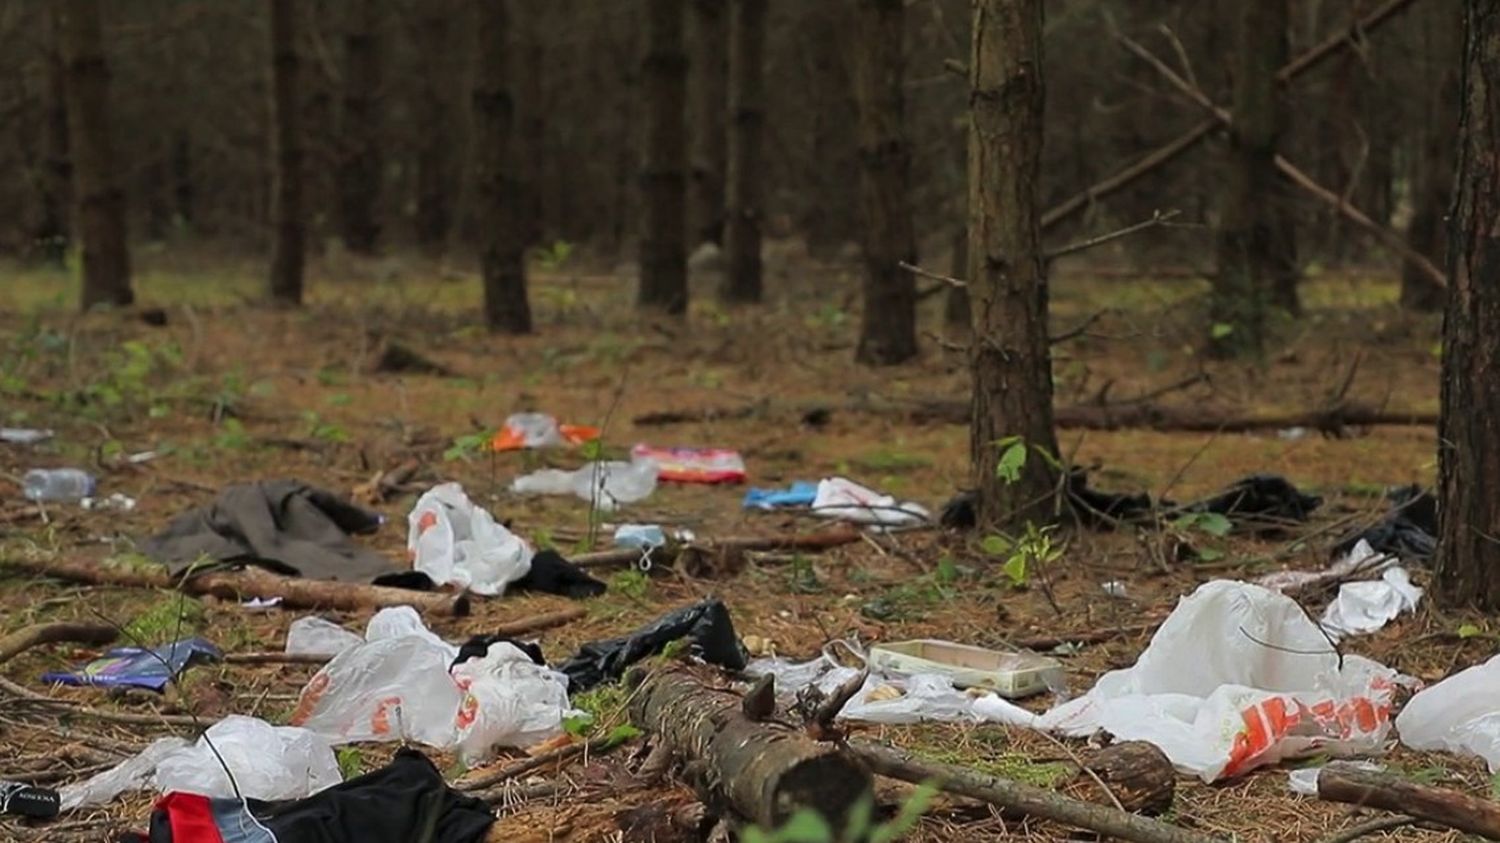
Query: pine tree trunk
point(432, 109)
point(287, 250)
point(498, 194)
point(534, 25)
point(957, 315)
point(360, 164)
point(1010, 354)
point(183, 192)
point(1468, 559)
point(97, 175)
point(831, 218)
point(1249, 232)
point(1432, 162)
point(664, 184)
point(747, 106)
point(53, 230)
point(709, 92)
point(888, 331)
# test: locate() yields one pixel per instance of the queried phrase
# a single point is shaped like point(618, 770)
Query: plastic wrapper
point(606, 485)
point(844, 500)
point(1363, 607)
point(314, 636)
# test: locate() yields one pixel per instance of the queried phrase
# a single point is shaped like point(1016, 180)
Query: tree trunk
point(533, 27)
point(286, 145)
point(1010, 354)
point(52, 232)
point(1468, 558)
point(709, 90)
point(499, 197)
point(183, 193)
point(101, 199)
point(765, 770)
point(1249, 233)
point(432, 110)
point(1432, 163)
point(360, 165)
point(888, 331)
point(1387, 792)
point(747, 105)
point(829, 219)
point(957, 315)
point(663, 245)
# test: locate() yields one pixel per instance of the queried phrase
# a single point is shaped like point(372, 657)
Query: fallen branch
point(22, 640)
point(1023, 798)
point(1131, 414)
point(1157, 218)
point(765, 771)
point(1093, 636)
point(1448, 808)
point(821, 540)
point(536, 762)
point(79, 709)
point(295, 592)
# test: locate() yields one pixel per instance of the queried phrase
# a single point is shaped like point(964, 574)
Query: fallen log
point(1136, 775)
point(35, 635)
point(1023, 798)
point(1449, 808)
point(295, 592)
point(672, 551)
point(1333, 421)
point(764, 771)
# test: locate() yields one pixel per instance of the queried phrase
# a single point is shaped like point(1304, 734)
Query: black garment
point(477, 646)
point(552, 574)
point(1093, 507)
point(283, 525)
point(707, 625)
point(1265, 496)
point(1408, 531)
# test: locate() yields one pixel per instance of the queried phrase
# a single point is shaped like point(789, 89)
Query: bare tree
point(1010, 354)
point(1468, 558)
point(502, 249)
point(664, 185)
point(288, 248)
point(432, 110)
point(888, 331)
point(1432, 163)
point(747, 107)
point(361, 168)
point(708, 91)
point(96, 172)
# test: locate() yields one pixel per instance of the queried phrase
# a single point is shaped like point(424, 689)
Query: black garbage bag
point(1408, 530)
point(706, 625)
point(1264, 496)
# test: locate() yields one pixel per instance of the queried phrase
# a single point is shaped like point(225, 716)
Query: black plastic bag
point(706, 625)
point(1408, 531)
point(1264, 496)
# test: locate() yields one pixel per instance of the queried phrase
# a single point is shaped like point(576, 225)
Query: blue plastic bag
point(800, 493)
point(134, 667)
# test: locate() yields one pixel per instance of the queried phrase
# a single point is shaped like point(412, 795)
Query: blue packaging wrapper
point(134, 667)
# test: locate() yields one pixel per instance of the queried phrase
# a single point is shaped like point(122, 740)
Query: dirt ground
point(226, 391)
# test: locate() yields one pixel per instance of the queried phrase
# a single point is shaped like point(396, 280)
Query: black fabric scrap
point(552, 574)
point(478, 645)
point(1093, 507)
point(1408, 530)
point(1266, 496)
point(706, 625)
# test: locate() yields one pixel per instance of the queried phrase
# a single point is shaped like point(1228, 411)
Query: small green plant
point(551, 258)
point(808, 826)
point(632, 583)
point(351, 763)
point(324, 431)
point(1469, 630)
point(232, 436)
point(175, 616)
point(468, 446)
point(1032, 552)
point(1211, 523)
point(1012, 458)
point(801, 577)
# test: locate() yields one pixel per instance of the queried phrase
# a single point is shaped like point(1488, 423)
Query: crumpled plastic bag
point(1236, 678)
point(1363, 607)
point(398, 686)
point(1361, 559)
point(605, 485)
point(844, 500)
point(693, 465)
point(314, 636)
point(1459, 714)
point(923, 698)
point(453, 541)
point(539, 430)
point(269, 763)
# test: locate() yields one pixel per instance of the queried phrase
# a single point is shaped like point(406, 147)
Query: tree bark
point(888, 329)
point(96, 172)
point(829, 219)
point(765, 770)
point(433, 111)
point(502, 249)
point(663, 247)
point(1389, 793)
point(1433, 161)
point(747, 108)
point(287, 251)
point(1010, 353)
point(957, 315)
point(360, 163)
point(52, 234)
point(1468, 558)
point(1249, 231)
point(709, 92)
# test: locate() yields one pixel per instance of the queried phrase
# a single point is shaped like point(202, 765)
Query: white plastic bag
point(1237, 677)
point(535, 430)
point(314, 636)
point(925, 698)
point(400, 621)
point(1361, 559)
point(1363, 607)
point(605, 485)
point(269, 762)
point(509, 701)
point(453, 541)
point(844, 500)
point(130, 774)
point(1459, 714)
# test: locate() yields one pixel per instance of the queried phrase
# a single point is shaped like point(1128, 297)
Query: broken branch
point(821, 540)
point(22, 640)
point(1390, 793)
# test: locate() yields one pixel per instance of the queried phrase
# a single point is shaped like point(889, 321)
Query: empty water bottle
point(58, 484)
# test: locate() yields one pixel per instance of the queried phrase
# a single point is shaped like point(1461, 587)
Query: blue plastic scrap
point(134, 667)
point(800, 493)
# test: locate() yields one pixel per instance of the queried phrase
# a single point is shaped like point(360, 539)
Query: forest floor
point(230, 392)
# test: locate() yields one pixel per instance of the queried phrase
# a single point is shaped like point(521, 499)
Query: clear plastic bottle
point(58, 484)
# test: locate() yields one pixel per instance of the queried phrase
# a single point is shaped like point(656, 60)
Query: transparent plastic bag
point(453, 541)
point(130, 774)
point(269, 762)
point(386, 690)
point(314, 636)
point(605, 485)
point(509, 701)
point(1459, 714)
point(401, 621)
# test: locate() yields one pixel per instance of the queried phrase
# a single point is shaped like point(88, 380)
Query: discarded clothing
point(1260, 496)
point(135, 667)
point(284, 525)
point(707, 625)
point(694, 465)
point(1409, 530)
point(800, 493)
point(407, 800)
point(1093, 507)
point(552, 574)
point(477, 646)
